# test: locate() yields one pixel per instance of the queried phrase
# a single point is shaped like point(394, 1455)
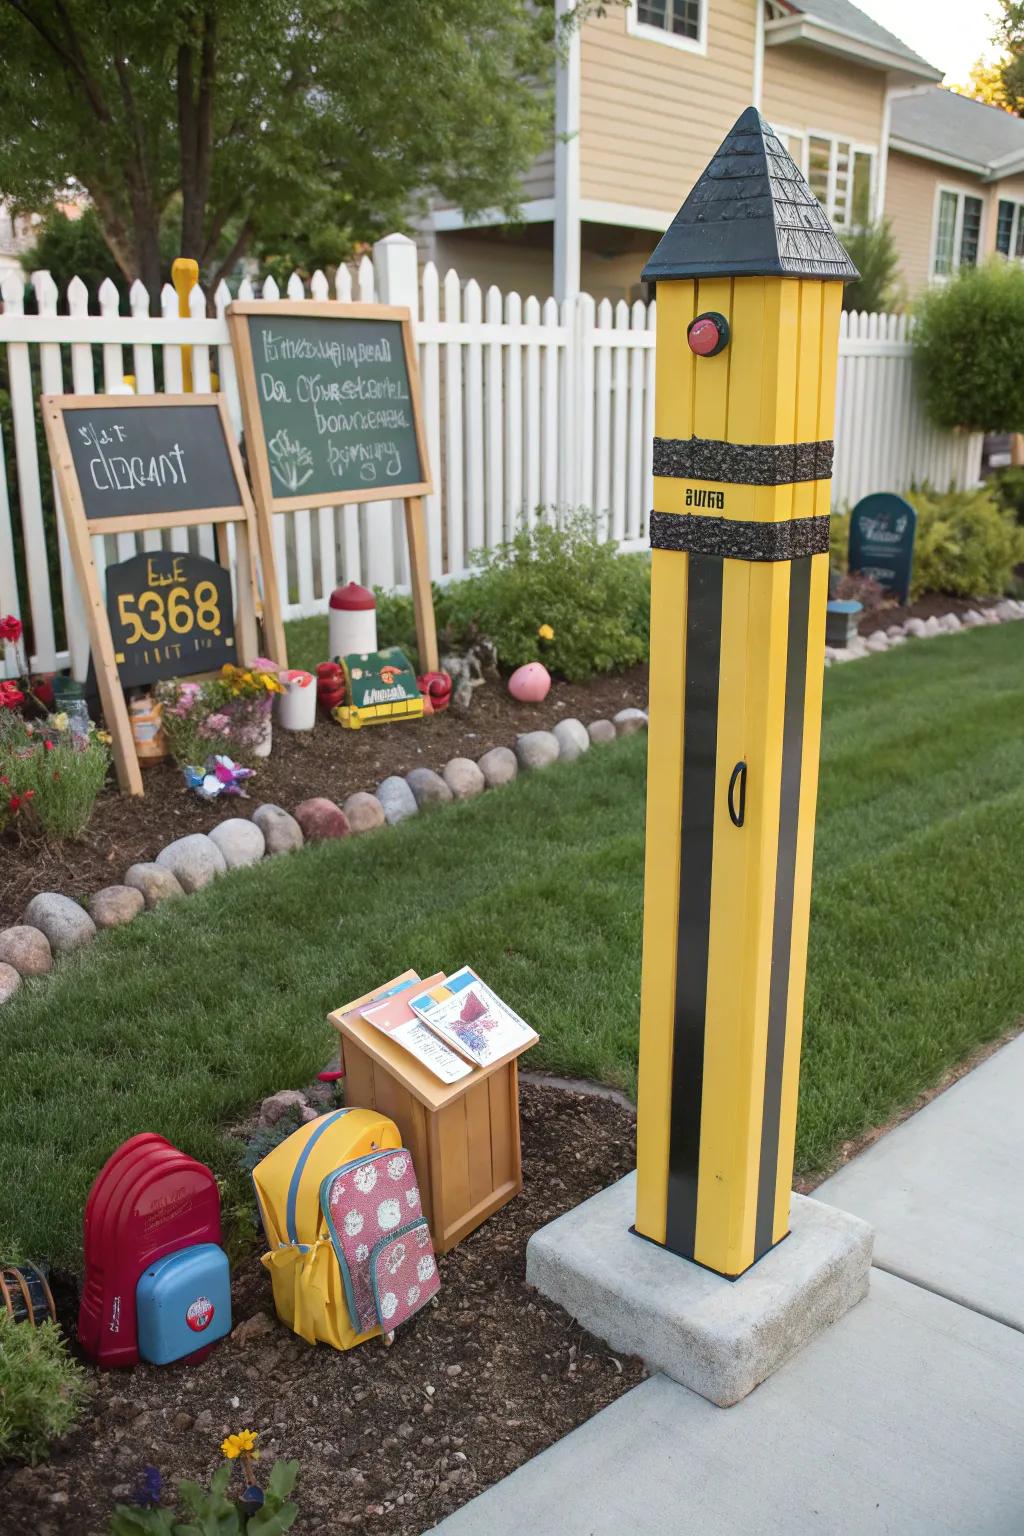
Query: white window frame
point(960, 193)
point(804, 136)
point(1018, 215)
point(637, 28)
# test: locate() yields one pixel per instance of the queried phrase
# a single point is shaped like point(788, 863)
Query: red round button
point(707, 334)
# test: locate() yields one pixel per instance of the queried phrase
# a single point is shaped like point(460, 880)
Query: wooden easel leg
point(419, 571)
point(273, 622)
point(247, 637)
point(115, 710)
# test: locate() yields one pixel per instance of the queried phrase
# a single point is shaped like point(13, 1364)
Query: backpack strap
point(293, 1188)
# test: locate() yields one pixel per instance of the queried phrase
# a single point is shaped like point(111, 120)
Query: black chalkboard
point(335, 404)
point(133, 461)
point(882, 529)
point(170, 615)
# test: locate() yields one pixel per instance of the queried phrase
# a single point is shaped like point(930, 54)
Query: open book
point(395, 1018)
point(464, 1011)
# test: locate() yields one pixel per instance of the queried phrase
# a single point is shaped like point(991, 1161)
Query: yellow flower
point(545, 632)
point(103, 736)
point(59, 722)
point(242, 1444)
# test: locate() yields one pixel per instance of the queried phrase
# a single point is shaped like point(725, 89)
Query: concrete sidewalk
point(906, 1417)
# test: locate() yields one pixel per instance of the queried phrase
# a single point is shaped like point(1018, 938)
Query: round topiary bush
point(967, 345)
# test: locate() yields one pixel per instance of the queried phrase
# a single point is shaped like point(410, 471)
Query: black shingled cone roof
point(751, 214)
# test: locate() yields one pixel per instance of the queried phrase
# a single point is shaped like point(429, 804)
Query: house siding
point(651, 115)
point(910, 199)
point(807, 90)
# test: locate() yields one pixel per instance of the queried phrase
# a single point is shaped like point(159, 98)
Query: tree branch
point(71, 57)
point(238, 249)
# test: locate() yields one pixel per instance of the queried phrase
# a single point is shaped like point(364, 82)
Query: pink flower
point(215, 725)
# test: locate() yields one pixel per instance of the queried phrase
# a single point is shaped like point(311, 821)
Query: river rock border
point(54, 925)
point(1005, 612)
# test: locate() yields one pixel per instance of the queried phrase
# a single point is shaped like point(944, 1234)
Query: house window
point(841, 176)
point(957, 232)
point(1010, 229)
point(680, 23)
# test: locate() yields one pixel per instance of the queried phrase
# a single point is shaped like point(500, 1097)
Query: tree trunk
point(195, 133)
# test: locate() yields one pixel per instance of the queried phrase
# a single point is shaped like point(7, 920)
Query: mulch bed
point(325, 761)
point(932, 603)
point(390, 1440)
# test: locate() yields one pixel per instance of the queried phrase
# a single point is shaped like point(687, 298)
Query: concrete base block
point(718, 1337)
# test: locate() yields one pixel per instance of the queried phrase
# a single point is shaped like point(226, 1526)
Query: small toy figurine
point(436, 688)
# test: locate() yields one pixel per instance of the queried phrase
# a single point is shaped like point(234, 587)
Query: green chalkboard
point(336, 406)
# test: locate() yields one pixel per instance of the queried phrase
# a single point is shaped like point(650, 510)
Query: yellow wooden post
point(749, 287)
point(185, 276)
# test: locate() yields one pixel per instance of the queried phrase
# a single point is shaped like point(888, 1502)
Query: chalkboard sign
point(129, 464)
point(882, 529)
point(331, 402)
point(171, 615)
point(134, 463)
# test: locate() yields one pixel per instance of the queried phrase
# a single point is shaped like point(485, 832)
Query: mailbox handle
point(738, 776)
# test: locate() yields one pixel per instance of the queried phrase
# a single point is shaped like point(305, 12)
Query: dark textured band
point(707, 458)
point(694, 534)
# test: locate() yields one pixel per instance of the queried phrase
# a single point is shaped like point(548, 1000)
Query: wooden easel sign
point(132, 464)
point(331, 402)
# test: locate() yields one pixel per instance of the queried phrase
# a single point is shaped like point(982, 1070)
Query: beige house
point(645, 95)
point(955, 187)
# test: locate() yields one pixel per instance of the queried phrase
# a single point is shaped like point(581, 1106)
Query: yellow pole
point(749, 294)
point(185, 276)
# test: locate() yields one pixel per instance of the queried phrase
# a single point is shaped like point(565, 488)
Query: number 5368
point(149, 615)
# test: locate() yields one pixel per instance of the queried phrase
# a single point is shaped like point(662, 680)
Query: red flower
point(10, 628)
point(48, 745)
point(10, 696)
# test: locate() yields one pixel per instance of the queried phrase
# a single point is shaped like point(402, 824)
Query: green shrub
point(209, 1510)
point(1008, 486)
point(41, 1389)
point(563, 578)
point(874, 254)
point(49, 777)
point(967, 346)
point(967, 543)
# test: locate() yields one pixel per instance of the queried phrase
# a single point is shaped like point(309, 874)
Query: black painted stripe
point(700, 745)
point(699, 534)
point(785, 871)
point(710, 458)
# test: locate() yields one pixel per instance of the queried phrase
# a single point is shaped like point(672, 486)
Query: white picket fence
point(527, 405)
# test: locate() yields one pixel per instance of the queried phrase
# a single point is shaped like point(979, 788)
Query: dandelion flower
point(545, 632)
point(242, 1444)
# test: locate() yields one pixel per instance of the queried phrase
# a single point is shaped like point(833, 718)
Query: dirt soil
point(325, 761)
point(390, 1440)
point(924, 608)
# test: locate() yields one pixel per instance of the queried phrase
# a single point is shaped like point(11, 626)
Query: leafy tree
point(1009, 36)
point(985, 83)
point(874, 254)
point(261, 116)
point(68, 247)
point(970, 363)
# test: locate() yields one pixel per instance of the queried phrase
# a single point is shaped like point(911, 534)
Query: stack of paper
point(450, 1024)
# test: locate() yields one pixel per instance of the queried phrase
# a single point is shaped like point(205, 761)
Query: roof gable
point(843, 16)
point(750, 214)
point(957, 126)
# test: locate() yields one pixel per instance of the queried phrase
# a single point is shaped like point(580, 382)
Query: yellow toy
point(749, 286)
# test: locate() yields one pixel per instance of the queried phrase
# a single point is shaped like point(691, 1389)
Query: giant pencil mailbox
point(749, 287)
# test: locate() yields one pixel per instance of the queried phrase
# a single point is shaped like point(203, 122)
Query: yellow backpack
point(309, 1293)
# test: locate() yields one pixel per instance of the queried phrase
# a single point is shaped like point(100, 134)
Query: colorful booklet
point(395, 1018)
point(469, 1016)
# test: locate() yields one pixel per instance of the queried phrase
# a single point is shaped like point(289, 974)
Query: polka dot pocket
point(381, 1239)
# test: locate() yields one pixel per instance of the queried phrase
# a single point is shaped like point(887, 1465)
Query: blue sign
point(882, 529)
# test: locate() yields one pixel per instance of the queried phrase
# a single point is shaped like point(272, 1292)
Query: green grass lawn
point(184, 1020)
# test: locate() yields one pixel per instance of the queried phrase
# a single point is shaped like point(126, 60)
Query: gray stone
point(573, 739)
point(156, 883)
point(498, 766)
point(27, 949)
point(942, 1190)
point(239, 840)
point(116, 904)
point(917, 628)
point(194, 860)
point(932, 626)
point(601, 731)
point(281, 832)
point(903, 1418)
point(10, 981)
point(718, 1337)
point(279, 1104)
point(364, 812)
point(428, 787)
point(464, 778)
point(397, 799)
point(950, 624)
point(67, 925)
point(537, 749)
point(628, 721)
point(879, 641)
point(972, 618)
point(895, 631)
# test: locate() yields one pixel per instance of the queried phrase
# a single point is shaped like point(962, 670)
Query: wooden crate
point(464, 1136)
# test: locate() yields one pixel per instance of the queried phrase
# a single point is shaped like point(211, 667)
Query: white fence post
point(397, 282)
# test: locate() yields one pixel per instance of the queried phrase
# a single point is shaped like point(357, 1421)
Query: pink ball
point(530, 684)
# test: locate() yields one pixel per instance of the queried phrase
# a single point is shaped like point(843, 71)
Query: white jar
point(352, 621)
point(296, 709)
